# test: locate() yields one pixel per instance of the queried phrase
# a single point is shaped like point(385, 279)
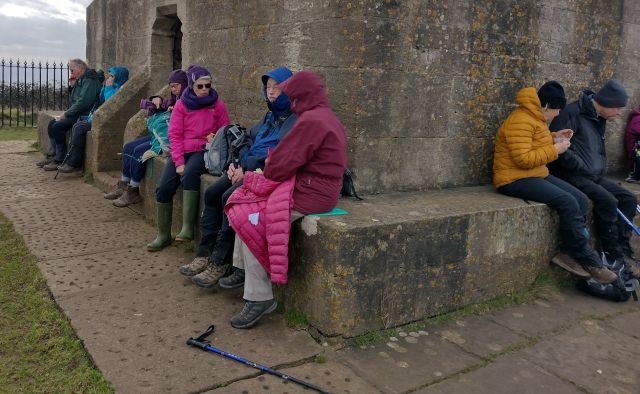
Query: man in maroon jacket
point(315, 151)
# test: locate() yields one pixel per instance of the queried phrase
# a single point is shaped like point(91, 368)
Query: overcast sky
point(43, 29)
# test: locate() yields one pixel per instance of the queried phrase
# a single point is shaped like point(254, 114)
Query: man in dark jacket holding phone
point(584, 165)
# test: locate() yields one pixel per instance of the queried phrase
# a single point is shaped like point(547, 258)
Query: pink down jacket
point(188, 130)
point(260, 212)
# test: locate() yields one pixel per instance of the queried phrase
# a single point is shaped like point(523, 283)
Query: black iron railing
point(27, 87)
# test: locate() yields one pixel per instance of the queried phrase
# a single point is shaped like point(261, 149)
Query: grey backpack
point(226, 148)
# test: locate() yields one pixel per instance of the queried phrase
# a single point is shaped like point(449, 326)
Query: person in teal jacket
point(114, 79)
point(84, 84)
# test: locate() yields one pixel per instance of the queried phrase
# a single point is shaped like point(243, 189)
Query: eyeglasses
point(202, 86)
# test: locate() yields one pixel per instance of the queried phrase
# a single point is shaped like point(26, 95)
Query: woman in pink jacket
point(195, 118)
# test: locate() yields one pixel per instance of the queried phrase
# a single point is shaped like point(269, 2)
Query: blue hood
point(121, 75)
point(282, 103)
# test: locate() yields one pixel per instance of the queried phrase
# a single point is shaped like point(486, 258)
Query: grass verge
point(18, 133)
point(39, 352)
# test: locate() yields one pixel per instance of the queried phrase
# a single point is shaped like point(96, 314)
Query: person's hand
point(562, 146)
point(238, 174)
point(180, 170)
point(157, 101)
point(565, 133)
point(170, 108)
point(258, 171)
point(61, 116)
point(231, 171)
point(209, 137)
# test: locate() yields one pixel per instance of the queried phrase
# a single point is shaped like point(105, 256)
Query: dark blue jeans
point(217, 236)
point(607, 196)
point(570, 204)
point(132, 165)
point(190, 180)
point(57, 131)
point(78, 143)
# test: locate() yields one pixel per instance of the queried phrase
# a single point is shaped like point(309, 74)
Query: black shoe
point(236, 279)
point(252, 312)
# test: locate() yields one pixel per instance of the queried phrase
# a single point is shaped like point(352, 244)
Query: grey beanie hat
point(612, 95)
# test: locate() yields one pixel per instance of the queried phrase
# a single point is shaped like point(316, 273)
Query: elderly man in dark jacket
point(584, 165)
point(85, 86)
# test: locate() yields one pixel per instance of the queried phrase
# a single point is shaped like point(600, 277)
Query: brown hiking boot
point(210, 276)
point(195, 267)
point(565, 261)
point(601, 274)
point(131, 196)
point(120, 187)
point(51, 166)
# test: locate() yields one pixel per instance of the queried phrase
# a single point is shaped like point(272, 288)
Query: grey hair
point(78, 63)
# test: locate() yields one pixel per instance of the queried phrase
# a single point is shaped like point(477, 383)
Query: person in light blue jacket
point(114, 79)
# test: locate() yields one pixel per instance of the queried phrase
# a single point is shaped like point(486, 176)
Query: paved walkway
point(134, 311)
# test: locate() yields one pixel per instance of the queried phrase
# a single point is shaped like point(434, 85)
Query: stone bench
point(399, 257)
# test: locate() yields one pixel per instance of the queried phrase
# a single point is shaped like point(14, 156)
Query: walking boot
point(52, 165)
point(210, 276)
point(189, 211)
point(236, 279)
point(601, 274)
point(121, 186)
point(566, 262)
point(195, 267)
point(44, 161)
point(252, 312)
point(163, 221)
point(130, 196)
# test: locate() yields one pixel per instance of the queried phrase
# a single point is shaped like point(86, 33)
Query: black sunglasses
point(201, 86)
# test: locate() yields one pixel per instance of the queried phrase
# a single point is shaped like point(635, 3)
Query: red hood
point(307, 90)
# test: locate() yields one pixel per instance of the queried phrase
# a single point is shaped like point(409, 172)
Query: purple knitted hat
point(195, 72)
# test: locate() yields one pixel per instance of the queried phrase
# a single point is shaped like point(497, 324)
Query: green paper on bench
point(334, 211)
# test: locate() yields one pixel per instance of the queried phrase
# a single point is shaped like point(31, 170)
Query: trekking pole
point(638, 208)
point(628, 221)
point(63, 161)
point(202, 343)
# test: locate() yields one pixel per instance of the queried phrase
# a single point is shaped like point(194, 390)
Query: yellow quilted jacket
point(524, 144)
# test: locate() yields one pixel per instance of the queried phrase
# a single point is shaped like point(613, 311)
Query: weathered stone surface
point(512, 374)
point(480, 336)
point(421, 86)
point(105, 140)
point(400, 364)
point(590, 355)
point(331, 376)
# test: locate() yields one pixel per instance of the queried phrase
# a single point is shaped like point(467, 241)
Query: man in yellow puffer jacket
point(523, 147)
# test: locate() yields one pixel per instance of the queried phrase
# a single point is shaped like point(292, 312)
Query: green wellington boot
point(163, 221)
point(190, 202)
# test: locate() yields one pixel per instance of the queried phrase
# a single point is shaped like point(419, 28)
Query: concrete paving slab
point(111, 269)
point(507, 375)
point(590, 306)
point(405, 363)
point(628, 324)
point(136, 334)
point(18, 146)
point(81, 239)
point(45, 191)
point(62, 214)
point(548, 315)
point(331, 376)
point(480, 336)
point(592, 356)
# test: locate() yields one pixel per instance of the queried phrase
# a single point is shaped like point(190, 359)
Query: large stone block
point(401, 257)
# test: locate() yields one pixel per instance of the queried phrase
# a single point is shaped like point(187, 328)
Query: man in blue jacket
point(217, 236)
point(584, 165)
